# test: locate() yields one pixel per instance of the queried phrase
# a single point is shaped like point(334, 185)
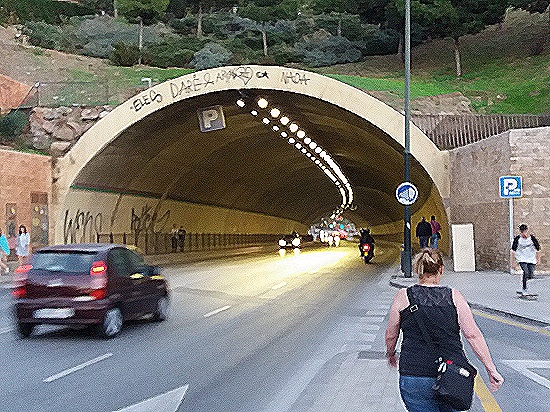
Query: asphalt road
point(244, 334)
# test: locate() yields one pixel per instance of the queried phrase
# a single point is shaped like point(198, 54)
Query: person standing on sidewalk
point(434, 238)
point(446, 313)
point(23, 242)
point(423, 232)
point(4, 253)
point(525, 253)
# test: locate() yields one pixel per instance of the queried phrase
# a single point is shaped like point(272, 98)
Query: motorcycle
point(367, 252)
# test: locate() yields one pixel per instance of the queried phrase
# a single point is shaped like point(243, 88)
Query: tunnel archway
point(151, 147)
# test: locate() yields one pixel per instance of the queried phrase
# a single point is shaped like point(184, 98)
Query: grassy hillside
point(506, 69)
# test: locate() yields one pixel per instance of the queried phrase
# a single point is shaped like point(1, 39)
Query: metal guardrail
point(161, 243)
point(452, 131)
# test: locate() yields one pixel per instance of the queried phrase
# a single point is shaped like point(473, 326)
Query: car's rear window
point(64, 261)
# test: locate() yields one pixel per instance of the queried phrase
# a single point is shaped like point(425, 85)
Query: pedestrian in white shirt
point(23, 242)
point(525, 253)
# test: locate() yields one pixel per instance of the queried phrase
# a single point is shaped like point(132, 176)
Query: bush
point(171, 53)
point(124, 54)
point(380, 43)
point(98, 35)
point(48, 11)
point(43, 34)
point(327, 51)
point(211, 55)
point(185, 26)
point(282, 53)
point(12, 125)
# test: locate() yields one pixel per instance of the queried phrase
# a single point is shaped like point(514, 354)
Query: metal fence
point(161, 243)
point(451, 131)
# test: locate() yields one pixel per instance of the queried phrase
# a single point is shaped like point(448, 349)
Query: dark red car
point(88, 284)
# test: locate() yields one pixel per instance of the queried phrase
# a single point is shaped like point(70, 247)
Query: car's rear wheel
point(25, 329)
point(161, 312)
point(112, 323)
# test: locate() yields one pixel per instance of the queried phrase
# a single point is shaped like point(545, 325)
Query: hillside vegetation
point(506, 69)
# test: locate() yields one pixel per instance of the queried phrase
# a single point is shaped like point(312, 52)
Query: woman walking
point(23, 242)
point(445, 314)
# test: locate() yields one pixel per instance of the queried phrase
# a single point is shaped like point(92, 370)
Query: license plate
point(59, 313)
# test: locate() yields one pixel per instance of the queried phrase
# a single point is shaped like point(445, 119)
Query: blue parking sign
point(510, 186)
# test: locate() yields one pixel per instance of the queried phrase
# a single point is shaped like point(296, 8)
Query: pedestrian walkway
point(360, 381)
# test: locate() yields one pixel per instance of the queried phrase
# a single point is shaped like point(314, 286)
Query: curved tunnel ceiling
point(247, 166)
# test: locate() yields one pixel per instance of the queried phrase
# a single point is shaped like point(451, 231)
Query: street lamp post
point(407, 153)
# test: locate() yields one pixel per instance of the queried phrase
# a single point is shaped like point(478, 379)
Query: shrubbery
point(211, 55)
point(327, 51)
point(12, 125)
point(309, 40)
point(47, 11)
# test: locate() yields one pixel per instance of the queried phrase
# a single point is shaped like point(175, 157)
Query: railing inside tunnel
point(161, 243)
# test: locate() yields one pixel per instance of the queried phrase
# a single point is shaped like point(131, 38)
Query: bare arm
point(476, 340)
point(400, 302)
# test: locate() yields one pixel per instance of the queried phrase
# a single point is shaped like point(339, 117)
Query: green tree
point(267, 12)
point(147, 10)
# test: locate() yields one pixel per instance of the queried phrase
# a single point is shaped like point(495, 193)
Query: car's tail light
point(20, 281)
point(98, 272)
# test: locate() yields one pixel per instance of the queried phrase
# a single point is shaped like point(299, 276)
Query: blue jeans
point(423, 241)
point(417, 394)
point(434, 241)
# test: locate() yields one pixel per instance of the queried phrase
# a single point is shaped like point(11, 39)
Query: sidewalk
point(361, 381)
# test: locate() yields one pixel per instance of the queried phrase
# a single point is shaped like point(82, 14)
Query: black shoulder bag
point(454, 385)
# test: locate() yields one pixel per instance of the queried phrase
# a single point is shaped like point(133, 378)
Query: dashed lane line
point(215, 312)
point(77, 368)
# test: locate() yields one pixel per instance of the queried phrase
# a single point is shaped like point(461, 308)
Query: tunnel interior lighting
point(319, 156)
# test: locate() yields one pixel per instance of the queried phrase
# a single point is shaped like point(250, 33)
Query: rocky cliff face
point(55, 130)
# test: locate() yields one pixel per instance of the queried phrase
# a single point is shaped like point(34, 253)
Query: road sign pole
point(511, 221)
point(406, 263)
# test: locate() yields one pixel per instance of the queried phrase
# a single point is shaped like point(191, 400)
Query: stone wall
point(475, 171)
point(55, 130)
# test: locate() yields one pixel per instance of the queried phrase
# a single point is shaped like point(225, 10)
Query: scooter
point(367, 252)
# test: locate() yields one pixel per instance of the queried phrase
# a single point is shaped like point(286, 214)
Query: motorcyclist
point(366, 239)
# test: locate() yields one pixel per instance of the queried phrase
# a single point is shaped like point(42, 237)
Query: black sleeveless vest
point(438, 312)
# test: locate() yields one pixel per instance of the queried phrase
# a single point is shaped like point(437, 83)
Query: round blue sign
point(406, 193)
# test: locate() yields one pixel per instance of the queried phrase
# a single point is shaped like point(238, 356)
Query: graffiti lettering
point(145, 100)
point(84, 227)
point(148, 221)
point(295, 77)
point(260, 75)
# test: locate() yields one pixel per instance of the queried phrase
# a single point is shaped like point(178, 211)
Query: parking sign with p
point(510, 186)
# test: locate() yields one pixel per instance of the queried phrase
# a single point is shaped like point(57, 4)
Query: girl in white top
point(23, 242)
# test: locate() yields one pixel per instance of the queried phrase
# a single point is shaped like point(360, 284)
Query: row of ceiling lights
point(289, 130)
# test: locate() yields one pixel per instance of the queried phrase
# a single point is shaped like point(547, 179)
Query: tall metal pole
point(407, 153)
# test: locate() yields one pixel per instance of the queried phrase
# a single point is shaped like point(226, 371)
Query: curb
point(488, 309)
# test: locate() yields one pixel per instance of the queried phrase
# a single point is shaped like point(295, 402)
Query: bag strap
point(414, 309)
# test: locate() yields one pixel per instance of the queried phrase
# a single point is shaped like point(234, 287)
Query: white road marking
point(214, 312)
point(523, 366)
point(77, 368)
point(373, 319)
point(371, 327)
point(5, 330)
point(279, 286)
point(166, 402)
